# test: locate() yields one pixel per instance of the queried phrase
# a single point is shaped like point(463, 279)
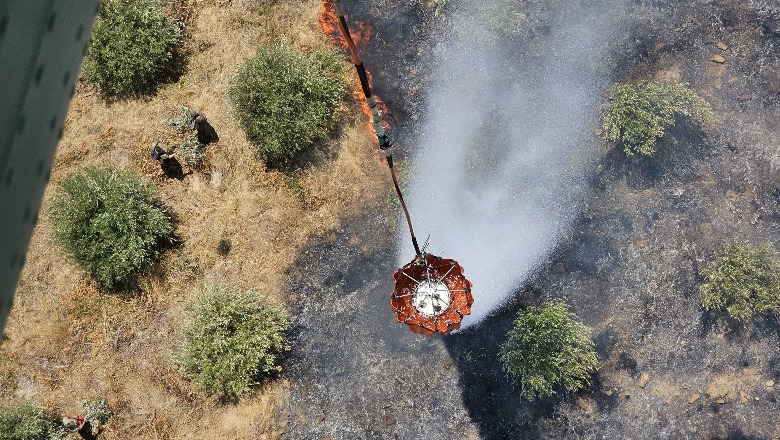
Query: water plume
point(500, 163)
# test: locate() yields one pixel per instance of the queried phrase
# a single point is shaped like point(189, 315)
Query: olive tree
point(231, 339)
point(286, 99)
point(744, 281)
point(638, 114)
point(134, 47)
point(546, 347)
point(111, 223)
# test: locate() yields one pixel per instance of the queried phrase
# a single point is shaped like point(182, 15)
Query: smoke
point(507, 141)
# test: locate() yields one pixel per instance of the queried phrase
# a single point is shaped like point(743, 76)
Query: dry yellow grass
point(67, 341)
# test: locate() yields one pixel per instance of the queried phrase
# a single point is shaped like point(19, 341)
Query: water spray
point(431, 294)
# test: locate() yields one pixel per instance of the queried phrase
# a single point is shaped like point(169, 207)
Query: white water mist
point(500, 165)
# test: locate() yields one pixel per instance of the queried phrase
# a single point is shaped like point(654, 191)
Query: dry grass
point(67, 341)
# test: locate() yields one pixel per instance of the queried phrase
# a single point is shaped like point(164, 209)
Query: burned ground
point(320, 237)
point(630, 266)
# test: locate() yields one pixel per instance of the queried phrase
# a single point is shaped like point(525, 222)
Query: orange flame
point(329, 23)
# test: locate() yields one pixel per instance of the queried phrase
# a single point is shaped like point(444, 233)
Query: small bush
point(744, 282)
point(110, 222)
point(133, 47)
point(29, 422)
point(97, 413)
point(181, 122)
point(638, 114)
point(224, 246)
point(286, 100)
point(490, 23)
point(192, 150)
point(231, 339)
point(437, 5)
point(548, 346)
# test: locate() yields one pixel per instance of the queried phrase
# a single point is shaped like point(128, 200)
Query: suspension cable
point(376, 119)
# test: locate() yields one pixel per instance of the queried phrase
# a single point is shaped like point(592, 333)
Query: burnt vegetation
point(642, 267)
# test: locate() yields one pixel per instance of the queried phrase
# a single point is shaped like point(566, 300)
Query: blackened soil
point(630, 268)
point(355, 372)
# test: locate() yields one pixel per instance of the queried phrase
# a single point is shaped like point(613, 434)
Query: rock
point(390, 419)
point(743, 398)
point(216, 179)
point(757, 399)
point(769, 383)
point(708, 40)
point(608, 392)
point(694, 397)
point(721, 45)
point(718, 59)
point(644, 378)
point(449, 363)
point(722, 387)
point(27, 388)
point(658, 47)
point(320, 419)
point(721, 401)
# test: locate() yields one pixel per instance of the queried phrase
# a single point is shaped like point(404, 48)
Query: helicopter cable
point(384, 143)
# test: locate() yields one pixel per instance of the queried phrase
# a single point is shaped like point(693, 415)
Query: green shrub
point(110, 222)
point(231, 339)
point(133, 48)
point(744, 281)
point(638, 114)
point(192, 150)
point(548, 346)
point(28, 421)
point(181, 122)
point(97, 413)
point(490, 23)
point(286, 100)
point(437, 5)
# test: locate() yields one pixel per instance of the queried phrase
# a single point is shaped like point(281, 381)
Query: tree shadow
point(708, 321)
point(317, 155)
point(173, 169)
point(206, 132)
point(765, 326)
point(759, 327)
point(737, 434)
point(713, 321)
point(676, 159)
point(604, 342)
point(491, 399)
point(86, 432)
